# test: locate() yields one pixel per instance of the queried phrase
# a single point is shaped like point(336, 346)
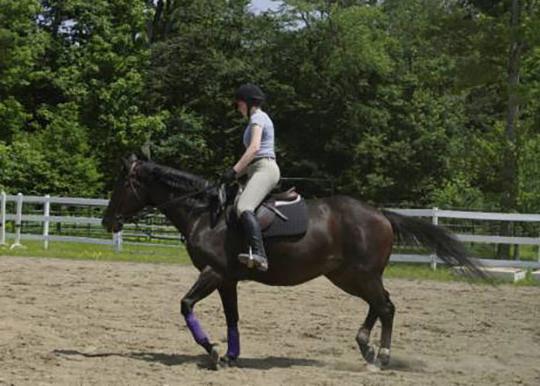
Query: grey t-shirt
point(261, 119)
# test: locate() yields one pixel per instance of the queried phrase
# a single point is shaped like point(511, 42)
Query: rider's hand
point(228, 176)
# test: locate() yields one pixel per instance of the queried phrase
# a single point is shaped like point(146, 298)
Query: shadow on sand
point(266, 363)
point(201, 360)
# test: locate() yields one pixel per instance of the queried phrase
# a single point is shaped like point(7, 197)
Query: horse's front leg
point(229, 298)
point(208, 281)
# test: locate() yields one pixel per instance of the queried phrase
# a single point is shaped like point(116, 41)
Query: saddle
point(280, 214)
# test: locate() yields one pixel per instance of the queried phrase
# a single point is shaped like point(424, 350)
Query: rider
point(259, 163)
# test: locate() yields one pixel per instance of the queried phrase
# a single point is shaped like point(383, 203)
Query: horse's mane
point(176, 179)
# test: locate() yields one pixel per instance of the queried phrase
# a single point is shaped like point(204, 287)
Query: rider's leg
point(253, 233)
point(263, 177)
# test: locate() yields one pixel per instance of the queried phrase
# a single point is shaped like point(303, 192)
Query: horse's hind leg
point(386, 314)
point(368, 285)
point(362, 338)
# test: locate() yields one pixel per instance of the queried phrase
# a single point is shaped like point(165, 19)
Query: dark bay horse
point(347, 241)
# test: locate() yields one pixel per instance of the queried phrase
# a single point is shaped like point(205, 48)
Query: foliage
point(402, 102)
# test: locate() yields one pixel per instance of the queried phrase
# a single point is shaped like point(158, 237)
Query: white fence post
point(435, 220)
point(46, 214)
point(18, 222)
point(117, 241)
point(2, 218)
point(538, 251)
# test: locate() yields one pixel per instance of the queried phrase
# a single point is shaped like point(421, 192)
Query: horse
point(347, 241)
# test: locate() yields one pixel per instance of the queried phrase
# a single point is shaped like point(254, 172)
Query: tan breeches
point(263, 176)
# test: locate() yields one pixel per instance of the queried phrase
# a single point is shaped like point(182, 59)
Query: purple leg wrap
point(233, 339)
point(196, 330)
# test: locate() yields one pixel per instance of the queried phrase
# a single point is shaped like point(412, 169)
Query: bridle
point(132, 179)
point(129, 184)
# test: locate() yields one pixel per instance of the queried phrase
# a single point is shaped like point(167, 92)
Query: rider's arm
point(251, 150)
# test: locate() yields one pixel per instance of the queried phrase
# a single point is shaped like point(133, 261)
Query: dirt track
point(85, 323)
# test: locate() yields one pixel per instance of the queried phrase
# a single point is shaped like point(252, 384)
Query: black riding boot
point(252, 230)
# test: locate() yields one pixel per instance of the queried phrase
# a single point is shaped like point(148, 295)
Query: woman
point(259, 163)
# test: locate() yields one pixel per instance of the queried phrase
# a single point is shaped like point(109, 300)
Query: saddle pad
point(296, 223)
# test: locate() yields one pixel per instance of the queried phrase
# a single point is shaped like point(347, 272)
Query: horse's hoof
point(368, 352)
point(214, 358)
point(227, 361)
point(383, 358)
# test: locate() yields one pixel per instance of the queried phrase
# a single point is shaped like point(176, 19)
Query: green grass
point(481, 251)
point(419, 272)
point(79, 251)
point(178, 255)
point(442, 273)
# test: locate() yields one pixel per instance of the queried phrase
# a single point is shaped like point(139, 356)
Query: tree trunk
point(510, 167)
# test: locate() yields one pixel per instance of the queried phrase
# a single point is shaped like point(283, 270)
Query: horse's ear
point(127, 161)
point(145, 151)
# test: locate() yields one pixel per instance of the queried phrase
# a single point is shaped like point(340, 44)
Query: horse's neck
point(177, 210)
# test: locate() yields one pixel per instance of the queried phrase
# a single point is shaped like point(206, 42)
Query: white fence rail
point(46, 219)
point(434, 214)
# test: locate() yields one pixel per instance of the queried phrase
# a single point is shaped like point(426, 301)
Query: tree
point(100, 56)
point(201, 54)
point(22, 45)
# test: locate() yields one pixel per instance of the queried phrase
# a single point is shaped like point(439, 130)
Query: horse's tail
point(410, 230)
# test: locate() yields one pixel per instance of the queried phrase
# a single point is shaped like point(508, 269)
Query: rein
point(187, 195)
point(133, 184)
point(132, 179)
point(148, 210)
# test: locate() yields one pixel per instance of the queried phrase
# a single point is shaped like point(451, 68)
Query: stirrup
point(253, 260)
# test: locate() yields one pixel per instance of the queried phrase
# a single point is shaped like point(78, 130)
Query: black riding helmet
point(251, 94)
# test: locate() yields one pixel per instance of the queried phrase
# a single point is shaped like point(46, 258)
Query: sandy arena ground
point(85, 323)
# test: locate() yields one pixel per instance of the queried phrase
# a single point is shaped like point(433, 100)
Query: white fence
point(435, 214)
point(46, 219)
point(117, 240)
